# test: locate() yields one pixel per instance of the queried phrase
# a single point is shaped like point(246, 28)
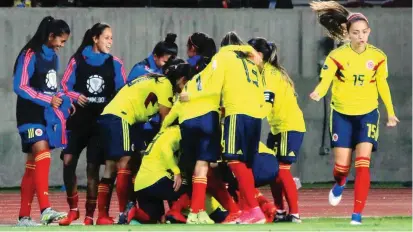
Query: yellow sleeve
point(170, 144)
point(211, 85)
point(327, 73)
point(172, 116)
point(165, 93)
point(383, 87)
point(241, 48)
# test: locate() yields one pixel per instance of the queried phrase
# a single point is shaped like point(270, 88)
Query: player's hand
point(73, 107)
point(184, 97)
point(82, 100)
point(392, 121)
point(315, 96)
point(177, 182)
point(56, 102)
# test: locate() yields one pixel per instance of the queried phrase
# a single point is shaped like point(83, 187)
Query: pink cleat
point(252, 216)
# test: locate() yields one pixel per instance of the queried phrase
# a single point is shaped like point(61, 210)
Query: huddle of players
point(200, 117)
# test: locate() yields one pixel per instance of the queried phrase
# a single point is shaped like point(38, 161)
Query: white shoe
point(356, 223)
point(335, 199)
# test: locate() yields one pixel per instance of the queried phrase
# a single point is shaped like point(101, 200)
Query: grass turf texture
point(310, 224)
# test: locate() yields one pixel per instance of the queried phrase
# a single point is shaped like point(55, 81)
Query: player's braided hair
point(332, 16)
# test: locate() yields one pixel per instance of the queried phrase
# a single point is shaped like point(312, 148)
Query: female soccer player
point(162, 52)
point(92, 78)
point(200, 50)
point(35, 84)
point(359, 74)
point(132, 106)
point(287, 127)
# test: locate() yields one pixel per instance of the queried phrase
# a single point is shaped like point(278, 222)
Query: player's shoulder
point(342, 50)
point(376, 51)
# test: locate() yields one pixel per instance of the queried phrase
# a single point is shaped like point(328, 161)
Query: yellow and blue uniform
point(242, 90)
point(133, 105)
point(154, 181)
point(286, 119)
point(358, 79)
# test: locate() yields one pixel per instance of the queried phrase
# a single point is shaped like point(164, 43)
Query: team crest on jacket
point(95, 84)
point(51, 81)
point(370, 65)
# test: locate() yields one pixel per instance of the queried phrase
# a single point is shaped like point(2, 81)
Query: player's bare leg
point(92, 173)
point(342, 157)
point(362, 181)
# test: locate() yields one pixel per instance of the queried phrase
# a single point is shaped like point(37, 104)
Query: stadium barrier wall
point(297, 34)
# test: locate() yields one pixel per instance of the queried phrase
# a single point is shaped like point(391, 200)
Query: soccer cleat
point(203, 218)
point(134, 222)
point(192, 218)
point(293, 218)
point(128, 214)
point(355, 219)
point(232, 218)
point(105, 221)
point(88, 221)
point(334, 197)
point(122, 219)
point(71, 216)
point(50, 215)
point(252, 216)
point(172, 217)
point(26, 222)
point(280, 216)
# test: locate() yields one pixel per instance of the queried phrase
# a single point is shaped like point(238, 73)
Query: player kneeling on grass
point(132, 106)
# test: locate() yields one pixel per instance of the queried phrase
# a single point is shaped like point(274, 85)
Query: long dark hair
point(204, 47)
point(94, 31)
point(331, 15)
point(269, 51)
point(48, 25)
point(166, 47)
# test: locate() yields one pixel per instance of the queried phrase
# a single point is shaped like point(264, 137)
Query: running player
point(359, 74)
point(35, 83)
point(133, 105)
point(91, 79)
point(287, 127)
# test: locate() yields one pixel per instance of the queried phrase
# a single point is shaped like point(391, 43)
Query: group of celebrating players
point(171, 119)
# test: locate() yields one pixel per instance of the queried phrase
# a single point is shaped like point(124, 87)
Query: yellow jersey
point(202, 99)
point(357, 80)
point(285, 114)
point(140, 99)
point(240, 82)
point(159, 160)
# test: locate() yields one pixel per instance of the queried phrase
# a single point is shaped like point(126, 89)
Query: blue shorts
point(265, 169)
point(349, 130)
point(32, 135)
point(116, 136)
point(241, 137)
point(201, 138)
point(286, 145)
point(151, 198)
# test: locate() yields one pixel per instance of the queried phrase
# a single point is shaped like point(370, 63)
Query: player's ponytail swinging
point(335, 18)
